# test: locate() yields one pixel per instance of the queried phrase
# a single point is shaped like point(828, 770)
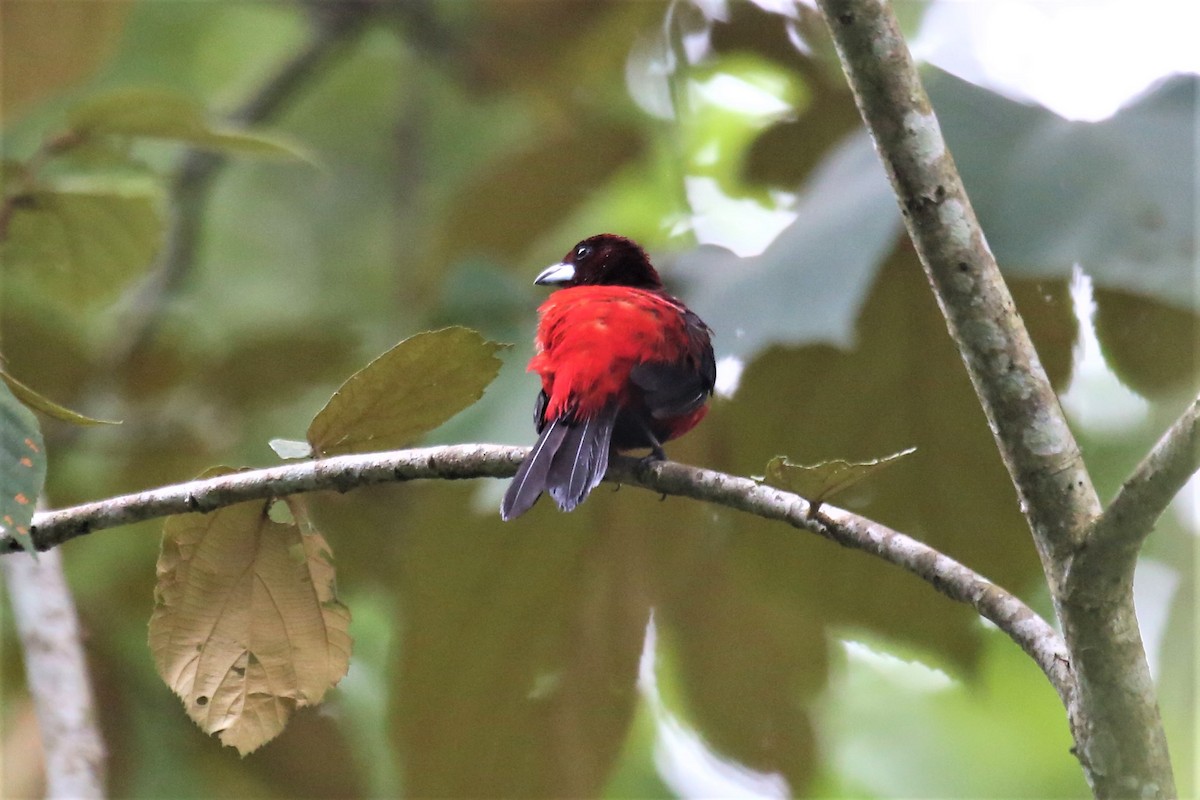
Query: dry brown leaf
point(247, 626)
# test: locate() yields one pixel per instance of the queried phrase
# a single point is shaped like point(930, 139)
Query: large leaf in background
point(163, 114)
point(518, 645)
point(83, 241)
point(750, 660)
point(537, 188)
point(902, 384)
point(809, 284)
point(22, 467)
point(247, 626)
point(1117, 197)
point(1151, 347)
point(550, 49)
point(409, 390)
point(50, 46)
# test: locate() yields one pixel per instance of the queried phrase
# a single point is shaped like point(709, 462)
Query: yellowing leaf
point(409, 390)
point(162, 114)
point(818, 482)
point(22, 467)
point(47, 406)
point(84, 242)
point(247, 626)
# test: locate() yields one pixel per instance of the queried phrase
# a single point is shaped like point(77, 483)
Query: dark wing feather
point(582, 459)
point(569, 460)
point(539, 411)
point(675, 388)
point(530, 481)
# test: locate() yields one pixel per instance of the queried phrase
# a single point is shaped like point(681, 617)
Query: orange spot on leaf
point(22, 499)
point(25, 462)
point(32, 445)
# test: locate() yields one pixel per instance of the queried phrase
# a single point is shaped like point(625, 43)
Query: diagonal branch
point(454, 462)
point(1145, 495)
point(1114, 717)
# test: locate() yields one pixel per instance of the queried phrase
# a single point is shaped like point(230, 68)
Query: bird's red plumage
point(623, 365)
point(590, 337)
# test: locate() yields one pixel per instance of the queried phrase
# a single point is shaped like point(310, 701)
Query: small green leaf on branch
point(818, 482)
point(406, 392)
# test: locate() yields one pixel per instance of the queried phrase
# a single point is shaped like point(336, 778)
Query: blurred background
point(638, 647)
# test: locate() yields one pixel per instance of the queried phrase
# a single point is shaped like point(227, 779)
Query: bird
point(623, 364)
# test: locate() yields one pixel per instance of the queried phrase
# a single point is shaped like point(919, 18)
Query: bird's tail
point(569, 460)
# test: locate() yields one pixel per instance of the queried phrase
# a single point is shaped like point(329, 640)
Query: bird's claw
point(655, 454)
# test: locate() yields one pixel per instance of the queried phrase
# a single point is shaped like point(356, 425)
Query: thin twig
point(454, 462)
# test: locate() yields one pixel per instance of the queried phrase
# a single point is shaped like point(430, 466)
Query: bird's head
point(604, 260)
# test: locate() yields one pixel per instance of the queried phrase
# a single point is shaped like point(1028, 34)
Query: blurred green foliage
point(460, 147)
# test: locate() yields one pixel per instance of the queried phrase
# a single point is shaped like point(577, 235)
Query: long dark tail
point(569, 460)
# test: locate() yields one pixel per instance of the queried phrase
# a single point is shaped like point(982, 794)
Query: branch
point(456, 462)
point(1145, 495)
point(57, 676)
point(1114, 719)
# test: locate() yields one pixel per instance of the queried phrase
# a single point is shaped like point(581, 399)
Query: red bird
point(624, 365)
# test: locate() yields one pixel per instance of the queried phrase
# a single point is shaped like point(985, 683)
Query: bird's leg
point(656, 449)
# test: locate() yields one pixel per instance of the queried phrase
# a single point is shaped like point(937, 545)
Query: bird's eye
point(583, 251)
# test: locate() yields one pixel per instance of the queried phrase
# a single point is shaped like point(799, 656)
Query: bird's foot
point(653, 457)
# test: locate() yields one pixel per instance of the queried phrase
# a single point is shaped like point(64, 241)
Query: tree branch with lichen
point(456, 462)
point(1114, 717)
point(1146, 493)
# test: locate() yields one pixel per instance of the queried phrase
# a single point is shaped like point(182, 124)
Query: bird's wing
point(675, 388)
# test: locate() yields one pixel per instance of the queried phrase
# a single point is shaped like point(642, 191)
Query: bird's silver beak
point(556, 274)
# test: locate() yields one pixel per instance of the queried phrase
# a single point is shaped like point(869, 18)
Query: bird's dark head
point(604, 260)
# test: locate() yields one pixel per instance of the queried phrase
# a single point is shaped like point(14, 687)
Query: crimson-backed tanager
point(624, 365)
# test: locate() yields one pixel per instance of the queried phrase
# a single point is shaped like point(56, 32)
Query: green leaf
point(22, 468)
point(819, 482)
point(84, 241)
point(162, 114)
point(409, 390)
point(290, 448)
point(47, 406)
